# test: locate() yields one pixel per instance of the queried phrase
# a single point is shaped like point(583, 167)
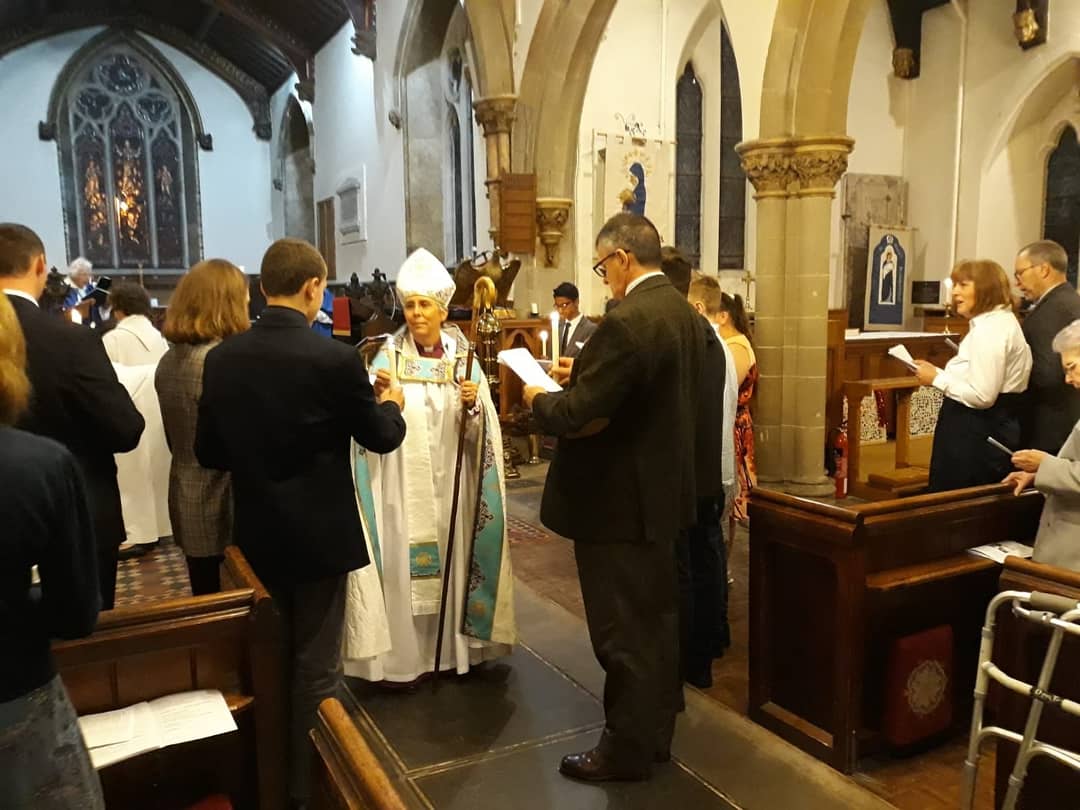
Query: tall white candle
point(391, 352)
point(543, 343)
point(947, 285)
point(554, 338)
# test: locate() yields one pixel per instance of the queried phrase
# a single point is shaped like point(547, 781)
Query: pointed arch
point(127, 131)
point(1061, 212)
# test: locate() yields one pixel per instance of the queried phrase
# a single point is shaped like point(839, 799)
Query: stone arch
point(296, 170)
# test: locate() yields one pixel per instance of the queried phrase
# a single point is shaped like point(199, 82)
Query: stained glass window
point(732, 178)
point(688, 166)
point(1061, 221)
point(128, 165)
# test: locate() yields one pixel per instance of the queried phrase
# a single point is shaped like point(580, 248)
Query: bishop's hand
point(382, 383)
point(469, 391)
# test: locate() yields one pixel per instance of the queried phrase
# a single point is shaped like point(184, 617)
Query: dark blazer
point(632, 481)
point(78, 401)
point(43, 510)
point(279, 405)
point(710, 438)
point(585, 330)
point(1052, 407)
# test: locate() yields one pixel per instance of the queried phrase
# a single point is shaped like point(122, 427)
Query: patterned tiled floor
point(157, 575)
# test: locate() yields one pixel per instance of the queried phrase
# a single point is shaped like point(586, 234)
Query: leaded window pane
point(688, 127)
point(128, 164)
point(1062, 218)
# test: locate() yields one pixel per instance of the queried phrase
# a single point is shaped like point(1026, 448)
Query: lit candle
point(543, 343)
point(554, 339)
point(947, 285)
point(392, 353)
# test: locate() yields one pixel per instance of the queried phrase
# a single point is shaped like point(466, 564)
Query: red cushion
point(218, 801)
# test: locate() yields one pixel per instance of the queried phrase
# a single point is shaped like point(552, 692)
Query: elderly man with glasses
point(622, 487)
point(1052, 407)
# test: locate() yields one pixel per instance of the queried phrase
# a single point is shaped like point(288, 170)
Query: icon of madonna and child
point(633, 198)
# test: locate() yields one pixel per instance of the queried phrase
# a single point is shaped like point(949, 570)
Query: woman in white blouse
point(982, 385)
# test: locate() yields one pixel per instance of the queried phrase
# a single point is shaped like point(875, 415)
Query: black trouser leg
point(107, 562)
point(631, 606)
point(205, 574)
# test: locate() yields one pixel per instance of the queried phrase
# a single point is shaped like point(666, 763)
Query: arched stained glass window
point(688, 129)
point(732, 178)
point(127, 160)
point(1061, 220)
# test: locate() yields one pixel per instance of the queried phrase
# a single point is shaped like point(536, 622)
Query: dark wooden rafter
point(906, 17)
point(1030, 22)
point(362, 13)
point(300, 56)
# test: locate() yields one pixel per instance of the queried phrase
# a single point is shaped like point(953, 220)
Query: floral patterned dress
point(745, 469)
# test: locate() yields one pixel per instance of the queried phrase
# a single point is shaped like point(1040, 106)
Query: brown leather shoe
point(594, 766)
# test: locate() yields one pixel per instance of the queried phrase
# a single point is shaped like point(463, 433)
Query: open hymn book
point(118, 735)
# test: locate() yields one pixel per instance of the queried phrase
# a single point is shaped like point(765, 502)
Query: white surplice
point(386, 636)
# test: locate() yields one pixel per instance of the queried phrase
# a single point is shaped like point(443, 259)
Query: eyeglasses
point(1021, 270)
point(599, 268)
point(565, 304)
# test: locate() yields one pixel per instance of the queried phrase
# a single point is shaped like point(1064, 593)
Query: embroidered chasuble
point(405, 499)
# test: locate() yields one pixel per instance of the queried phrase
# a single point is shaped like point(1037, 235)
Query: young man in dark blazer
point(279, 406)
point(1052, 407)
point(574, 327)
point(622, 487)
point(76, 397)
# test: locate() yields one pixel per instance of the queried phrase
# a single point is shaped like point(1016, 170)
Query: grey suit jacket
point(1058, 540)
point(582, 333)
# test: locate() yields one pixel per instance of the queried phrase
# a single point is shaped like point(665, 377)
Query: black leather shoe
point(593, 766)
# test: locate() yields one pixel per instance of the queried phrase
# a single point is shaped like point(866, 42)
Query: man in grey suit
point(1052, 407)
point(1057, 476)
point(622, 486)
point(574, 328)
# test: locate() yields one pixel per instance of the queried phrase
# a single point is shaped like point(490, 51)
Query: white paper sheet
point(900, 352)
point(108, 728)
point(145, 737)
point(999, 551)
point(118, 735)
point(192, 716)
point(521, 362)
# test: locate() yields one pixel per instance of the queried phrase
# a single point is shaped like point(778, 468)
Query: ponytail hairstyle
point(733, 306)
point(14, 385)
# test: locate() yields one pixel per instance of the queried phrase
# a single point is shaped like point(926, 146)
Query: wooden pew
point(230, 641)
point(347, 775)
point(1019, 647)
point(831, 587)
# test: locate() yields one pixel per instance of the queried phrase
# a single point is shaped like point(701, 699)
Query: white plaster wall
point(878, 109)
point(930, 148)
point(998, 77)
point(233, 178)
point(353, 135)
point(641, 82)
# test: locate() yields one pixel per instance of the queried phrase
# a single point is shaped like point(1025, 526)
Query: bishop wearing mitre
point(406, 496)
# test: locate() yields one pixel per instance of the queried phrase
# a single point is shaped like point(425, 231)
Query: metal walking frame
point(1059, 613)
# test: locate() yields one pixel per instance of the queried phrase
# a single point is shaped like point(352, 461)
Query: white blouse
point(993, 359)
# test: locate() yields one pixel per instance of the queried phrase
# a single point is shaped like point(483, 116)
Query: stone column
point(495, 114)
point(767, 164)
point(819, 162)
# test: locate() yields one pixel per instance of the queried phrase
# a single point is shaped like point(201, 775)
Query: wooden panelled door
point(325, 225)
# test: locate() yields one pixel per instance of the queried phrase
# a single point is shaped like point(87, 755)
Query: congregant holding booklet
point(982, 384)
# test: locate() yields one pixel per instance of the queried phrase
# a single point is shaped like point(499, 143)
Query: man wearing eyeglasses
point(1052, 407)
point(622, 486)
point(574, 328)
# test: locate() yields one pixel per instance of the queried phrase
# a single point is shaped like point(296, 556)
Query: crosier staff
point(483, 295)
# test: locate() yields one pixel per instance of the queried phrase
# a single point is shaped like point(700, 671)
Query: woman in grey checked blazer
point(210, 304)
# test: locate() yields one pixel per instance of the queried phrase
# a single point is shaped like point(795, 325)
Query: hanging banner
point(637, 178)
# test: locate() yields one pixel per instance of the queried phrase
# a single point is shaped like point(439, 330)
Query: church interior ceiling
point(253, 41)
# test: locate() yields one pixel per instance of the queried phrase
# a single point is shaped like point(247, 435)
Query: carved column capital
point(495, 113)
point(552, 214)
point(768, 166)
point(819, 164)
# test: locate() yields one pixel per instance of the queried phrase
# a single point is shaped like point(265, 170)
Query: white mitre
point(424, 275)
